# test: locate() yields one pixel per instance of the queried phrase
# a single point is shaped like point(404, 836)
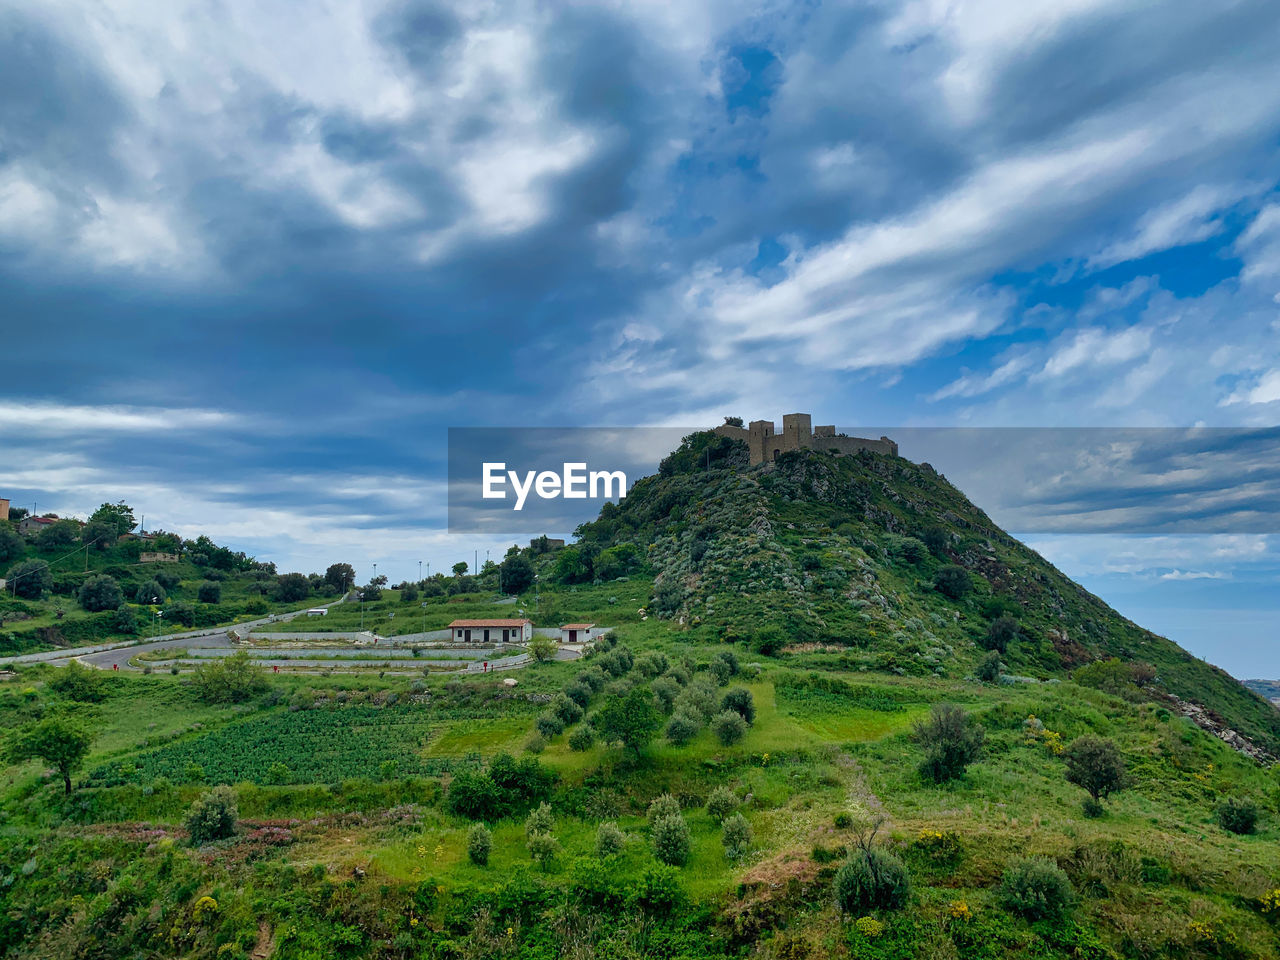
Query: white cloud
point(1190, 219)
point(52, 418)
point(1091, 347)
point(1265, 389)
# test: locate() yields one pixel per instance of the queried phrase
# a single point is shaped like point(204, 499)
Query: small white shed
point(577, 633)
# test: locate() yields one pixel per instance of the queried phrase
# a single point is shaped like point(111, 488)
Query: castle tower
point(4, 509)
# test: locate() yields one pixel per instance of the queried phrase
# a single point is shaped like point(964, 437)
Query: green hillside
point(795, 744)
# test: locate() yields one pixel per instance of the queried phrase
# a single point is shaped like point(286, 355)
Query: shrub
point(730, 660)
point(871, 878)
point(729, 727)
point(150, 592)
point(579, 693)
point(1036, 889)
point(99, 593)
point(549, 725)
point(769, 641)
point(210, 592)
point(609, 839)
point(989, 668)
point(951, 741)
point(698, 699)
point(78, 682)
point(1096, 765)
point(740, 701)
point(665, 690)
point(663, 806)
point(212, 816)
point(543, 649)
point(593, 678)
point(721, 804)
point(566, 709)
point(719, 670)
point(1002, 632)
point(1237, 815)
point(1093, 809)
point(843, 821)
point(543, 849)
point(582, 739)
point(953, 581)
point(232, 679)
point(671, 840)
point(535, 744)
point(540, 820)
point(652, 664)
point(682, 727)
point(658, 891)
point(479, 844)
point(735, 834)
point(29, 579)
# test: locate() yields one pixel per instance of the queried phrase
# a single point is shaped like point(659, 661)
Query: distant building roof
point(490, 623)
point(577, 626)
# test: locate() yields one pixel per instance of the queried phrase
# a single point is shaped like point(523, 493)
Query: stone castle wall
point(766, 444)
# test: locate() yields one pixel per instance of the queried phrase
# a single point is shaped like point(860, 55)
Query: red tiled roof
point(577, 626)
point(489, 623)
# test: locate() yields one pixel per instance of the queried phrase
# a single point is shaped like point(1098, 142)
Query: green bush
point(212, 816)
point(740, 701)
point(663, 806)
point(721, 804)
point(665, 690)
point(77, 682)
point(989, 668)
point(652, 664)
point(730, 660)
point(582, 738)
point(658, 891)
point(953, 581)
point(735, 834)
point(543, 849)
point(566, 709)
point(1237, 815)
point(99, 593)
point(671, 840)
point(869, 879)
point(682, 727)
point(951, 741)
point(1036, 889)
point(549, 725)
point(729, 727)
point(479, 844)
point(609, 839)
point(579, 693)
point(698, 699)
point(1096, 765)
point(540, 820)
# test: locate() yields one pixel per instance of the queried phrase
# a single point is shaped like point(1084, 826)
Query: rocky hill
point(884, 565)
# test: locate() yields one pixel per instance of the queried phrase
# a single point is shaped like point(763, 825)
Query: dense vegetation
point(840, 715)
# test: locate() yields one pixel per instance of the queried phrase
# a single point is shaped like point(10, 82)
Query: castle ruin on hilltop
point(798, 433)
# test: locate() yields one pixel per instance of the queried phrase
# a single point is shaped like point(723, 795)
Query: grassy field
point(344, 786)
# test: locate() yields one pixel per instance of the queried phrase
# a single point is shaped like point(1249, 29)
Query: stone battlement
point(798, 433)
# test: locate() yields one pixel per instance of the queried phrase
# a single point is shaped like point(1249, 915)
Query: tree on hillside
point(210, 592)
point(292, 587)
point(29, 579)
point(100, 592)
point(232, 679)
point(1002, 632)
point(460, 568)
point(11, 544)
point(57, 741)
point(150, 592)
point(99, 534)
point(56, 536)
point(631, 720)
point(341, 575)
point(953, 581)
point(1095, 764)
point(119, 515)
point(515, 575)
point(951, 741)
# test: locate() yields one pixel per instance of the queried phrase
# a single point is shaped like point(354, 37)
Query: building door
point(573, 636)
point(486, 635)
point(468, 636)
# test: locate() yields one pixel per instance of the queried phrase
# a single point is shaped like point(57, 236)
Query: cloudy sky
point(257, 256)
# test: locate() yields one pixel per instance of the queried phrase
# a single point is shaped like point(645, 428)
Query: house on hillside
point(30, 526)
point(491, 631)
point(577, 633)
